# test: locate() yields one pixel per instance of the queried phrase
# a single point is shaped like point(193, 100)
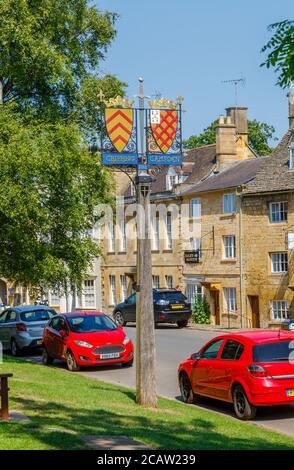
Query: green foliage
point(50, 176)
point(259, 135)
point(280, 50)
point(50, 52)
point(201, 311)
point(49, 187)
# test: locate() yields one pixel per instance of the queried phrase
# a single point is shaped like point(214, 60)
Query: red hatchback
point(86, 339)
point(248, 369)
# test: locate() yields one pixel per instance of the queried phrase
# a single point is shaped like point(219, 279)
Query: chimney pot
point(221, 120)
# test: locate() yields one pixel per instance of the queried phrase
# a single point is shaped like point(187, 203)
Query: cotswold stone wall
point(261, 237)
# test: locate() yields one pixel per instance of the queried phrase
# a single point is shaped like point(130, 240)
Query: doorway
point(254, 304)
point(215, 296)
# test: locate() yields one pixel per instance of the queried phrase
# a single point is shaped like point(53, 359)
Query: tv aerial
point(236, 82)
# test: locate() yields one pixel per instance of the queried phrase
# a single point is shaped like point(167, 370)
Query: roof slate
point(237, 175)
point(274, 174)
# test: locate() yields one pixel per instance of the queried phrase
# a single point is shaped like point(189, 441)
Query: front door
point(204, 373)
point(215, 297)
point(254, 304)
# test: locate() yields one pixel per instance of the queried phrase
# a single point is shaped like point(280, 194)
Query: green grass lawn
point(63, 406)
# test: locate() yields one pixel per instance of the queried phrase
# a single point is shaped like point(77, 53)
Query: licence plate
point(174, 307)
point(290, 392)
point(109, 356)
point(39, 342)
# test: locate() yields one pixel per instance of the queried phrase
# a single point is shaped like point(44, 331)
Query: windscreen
point(91, 324)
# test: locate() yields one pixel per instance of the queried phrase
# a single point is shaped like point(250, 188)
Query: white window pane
point(280, 310)
point(124, 293)
point(89, 293)
point(112, 290)
point(195, 208)
point(229, 203)
point(169, 241)
point(156, 282)
point(169, 282)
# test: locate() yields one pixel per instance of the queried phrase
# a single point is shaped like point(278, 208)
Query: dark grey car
point(22, 327)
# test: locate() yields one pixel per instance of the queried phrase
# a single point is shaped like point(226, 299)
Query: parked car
point(22, 327)
point(248, 369)
point(86, 339)
point(170, 306)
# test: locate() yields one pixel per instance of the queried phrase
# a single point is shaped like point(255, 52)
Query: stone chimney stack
point(238, 115)
point(226, 150)
point(291, 109)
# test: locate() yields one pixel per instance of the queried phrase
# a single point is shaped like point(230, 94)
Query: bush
point(201, 311)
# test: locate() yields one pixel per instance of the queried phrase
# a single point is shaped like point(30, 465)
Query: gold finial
point(165, 103)
point(118, 102)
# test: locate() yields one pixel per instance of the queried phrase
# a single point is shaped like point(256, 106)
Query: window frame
point(112, 290)
point(229, 248)
point(229, 290)
point(279, 211)
point(192, 205)
point(279, 262)
point(284, 312)
point(232, 206)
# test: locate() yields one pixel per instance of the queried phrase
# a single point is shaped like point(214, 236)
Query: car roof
point(29, 308)
point(84, 314)
point(164, 289)
point(262, 336)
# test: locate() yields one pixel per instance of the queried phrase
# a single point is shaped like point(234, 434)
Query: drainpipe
point(239, 192)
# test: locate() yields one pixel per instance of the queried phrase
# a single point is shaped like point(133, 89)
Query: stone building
point(192, 199)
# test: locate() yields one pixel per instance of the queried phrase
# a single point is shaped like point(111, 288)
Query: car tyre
point(128, 364)
point(243, 408)
point(47, 360)
point(15, 350)
point(186, 389)
point(119, 318)
point(182, 323)
point(71, 362)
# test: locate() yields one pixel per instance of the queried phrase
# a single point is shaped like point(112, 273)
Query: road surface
point(172, 346)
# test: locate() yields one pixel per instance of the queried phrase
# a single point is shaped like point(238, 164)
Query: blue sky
point(188, 47)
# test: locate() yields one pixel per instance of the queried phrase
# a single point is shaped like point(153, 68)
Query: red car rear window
point(278, 351)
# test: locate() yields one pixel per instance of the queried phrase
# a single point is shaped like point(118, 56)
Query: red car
point(86, 339)
point(248, 369)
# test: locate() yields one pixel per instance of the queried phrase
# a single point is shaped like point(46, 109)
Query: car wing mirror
point(196, 356)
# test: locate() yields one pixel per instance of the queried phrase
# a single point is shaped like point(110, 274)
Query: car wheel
point(182, 323)
point(46, 359)
point(119, 318)
point(128, 364)
point(186, 389)
point(243, 409)
point(15, 350)
point(71, 362)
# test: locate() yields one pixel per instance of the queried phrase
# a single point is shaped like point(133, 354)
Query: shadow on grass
point(154, 428)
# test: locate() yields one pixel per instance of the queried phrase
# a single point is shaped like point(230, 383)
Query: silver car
point(22, 327)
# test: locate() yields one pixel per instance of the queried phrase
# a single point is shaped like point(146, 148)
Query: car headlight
point(126, 340)
point(83, 344)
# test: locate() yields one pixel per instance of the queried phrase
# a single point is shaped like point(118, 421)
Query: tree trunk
point(145, 346)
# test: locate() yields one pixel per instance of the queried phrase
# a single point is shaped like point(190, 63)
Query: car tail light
point(257, 371)
point(21, 327)
point(161, 315)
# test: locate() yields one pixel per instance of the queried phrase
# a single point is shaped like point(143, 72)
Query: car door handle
point(228, 371)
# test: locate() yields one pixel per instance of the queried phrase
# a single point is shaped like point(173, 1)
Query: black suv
point(170, 306)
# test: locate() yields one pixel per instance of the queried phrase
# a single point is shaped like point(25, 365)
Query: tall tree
point(49, 187)
point(280, 50)
point(259, 136)
point(50, 178)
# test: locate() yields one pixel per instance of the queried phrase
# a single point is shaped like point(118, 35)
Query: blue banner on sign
point(120, 158)
point(164, 159)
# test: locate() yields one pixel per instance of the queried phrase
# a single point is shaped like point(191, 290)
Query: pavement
point(173, 345)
